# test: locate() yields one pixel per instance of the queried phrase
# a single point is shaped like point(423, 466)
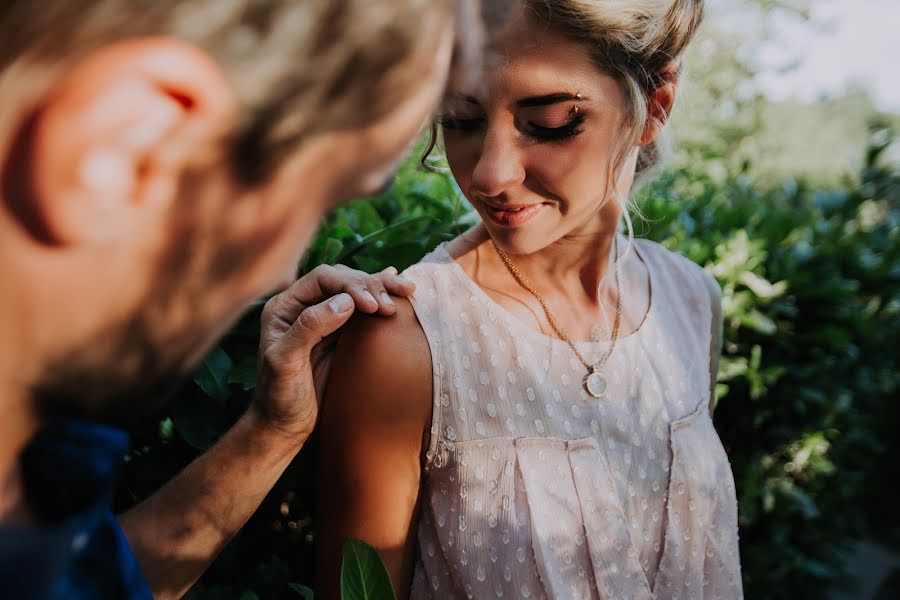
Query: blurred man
point(164, 163)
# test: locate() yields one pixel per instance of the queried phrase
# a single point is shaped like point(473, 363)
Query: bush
point(808, 379)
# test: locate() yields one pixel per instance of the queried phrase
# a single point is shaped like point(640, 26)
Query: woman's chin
point(520, 240)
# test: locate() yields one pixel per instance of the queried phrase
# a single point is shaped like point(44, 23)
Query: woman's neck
point(578, 264)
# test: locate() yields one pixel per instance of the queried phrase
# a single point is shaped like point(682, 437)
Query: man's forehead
point(498, 14)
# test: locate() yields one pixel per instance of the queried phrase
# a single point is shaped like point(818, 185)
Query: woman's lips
point(512, 216)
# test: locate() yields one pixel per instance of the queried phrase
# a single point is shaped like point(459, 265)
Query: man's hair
point(299, 67)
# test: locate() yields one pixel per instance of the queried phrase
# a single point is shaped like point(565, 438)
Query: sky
point(845, 43)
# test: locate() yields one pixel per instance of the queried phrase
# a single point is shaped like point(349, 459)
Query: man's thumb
point(321, 320)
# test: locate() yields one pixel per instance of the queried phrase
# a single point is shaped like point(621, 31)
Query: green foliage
point(422, 210)
point(811, 296)
point(807, 386)
point(303, 591)
point(363, 574)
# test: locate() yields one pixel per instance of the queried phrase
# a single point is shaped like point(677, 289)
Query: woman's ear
point(107, 145)
point(660, 103)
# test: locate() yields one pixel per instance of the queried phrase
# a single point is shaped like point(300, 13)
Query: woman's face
point(532, 149)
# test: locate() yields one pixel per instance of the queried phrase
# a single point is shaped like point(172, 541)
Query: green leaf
point(304, 592)
point(757, 321)
point(332, 251)
point(212, 376)
point(199, 421)
point(367, 264)
point(366, 218)
point(761, 286)
point(244, 374)
point(166, 427)
point(363, 574)
point(383, 232)
point(802, 500)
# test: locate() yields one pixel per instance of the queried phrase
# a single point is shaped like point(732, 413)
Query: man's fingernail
point(386, 299)
point(341, 303)
point(369, 296)
point(404, 280)
point(392, 270)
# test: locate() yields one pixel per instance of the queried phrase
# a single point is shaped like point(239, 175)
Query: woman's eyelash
point(544, 134)
point(568, 130)
point(460, 124)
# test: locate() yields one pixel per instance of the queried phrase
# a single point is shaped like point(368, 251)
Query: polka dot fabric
point(534, 489)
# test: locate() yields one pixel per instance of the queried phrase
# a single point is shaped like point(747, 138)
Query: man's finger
point(316, 286)
point(316, 322)
point(303, 292)
point(395, 284)
point(368, 291)
point(386, 305)
point(324, 280)
point(364, 299)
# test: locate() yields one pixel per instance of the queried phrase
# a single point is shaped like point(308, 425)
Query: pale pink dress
point(534, 489)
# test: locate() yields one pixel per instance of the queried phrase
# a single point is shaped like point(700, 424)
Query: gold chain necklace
point(594, 383)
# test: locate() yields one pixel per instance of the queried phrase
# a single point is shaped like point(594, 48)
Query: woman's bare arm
point(377, 409)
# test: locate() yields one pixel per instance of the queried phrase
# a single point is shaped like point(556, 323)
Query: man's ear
point(109, 142)
point(660, 103)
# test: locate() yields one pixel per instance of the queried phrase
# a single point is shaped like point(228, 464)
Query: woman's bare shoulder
point(382, 365)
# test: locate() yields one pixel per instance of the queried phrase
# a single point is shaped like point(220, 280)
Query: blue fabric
point(79, 552)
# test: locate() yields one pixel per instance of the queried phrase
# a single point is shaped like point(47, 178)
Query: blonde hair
point(298, 67)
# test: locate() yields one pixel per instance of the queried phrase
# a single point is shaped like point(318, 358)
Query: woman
point(536, 423)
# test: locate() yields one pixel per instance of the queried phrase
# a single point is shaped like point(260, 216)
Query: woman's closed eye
point(569, 129)
point(458, 123)
point(531, 128)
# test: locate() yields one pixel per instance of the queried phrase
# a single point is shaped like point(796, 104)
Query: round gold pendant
point(595, 384)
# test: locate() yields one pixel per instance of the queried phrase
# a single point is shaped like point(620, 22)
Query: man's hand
point(178, 531)
point(299, 328)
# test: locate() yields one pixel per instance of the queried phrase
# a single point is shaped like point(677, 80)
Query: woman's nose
point(499, 167)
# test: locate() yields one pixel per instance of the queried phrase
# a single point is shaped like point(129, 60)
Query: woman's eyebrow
point(544, 100)
point(548, 99)
point(463, 98)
